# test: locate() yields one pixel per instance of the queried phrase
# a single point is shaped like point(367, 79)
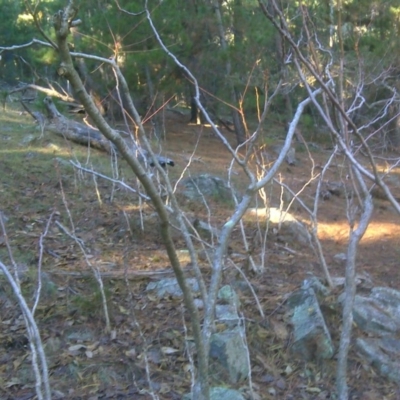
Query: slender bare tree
point(337, 115)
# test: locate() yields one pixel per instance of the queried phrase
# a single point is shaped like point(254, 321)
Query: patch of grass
point(271, 138)
point(307, 122)
point(29, 282)
point(316, 135)
point(34, 168)
point(223, 199)
point(90, 302)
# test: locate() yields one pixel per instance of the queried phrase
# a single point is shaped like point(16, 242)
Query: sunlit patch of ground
point(377, 231)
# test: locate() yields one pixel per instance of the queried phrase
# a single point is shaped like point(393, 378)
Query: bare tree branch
point(350, 288)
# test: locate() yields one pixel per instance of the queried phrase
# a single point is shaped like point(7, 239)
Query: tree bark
point(236, 115)
point(394, 127)
point(350, 291)
point(155, 115)
point(90, 85)
point(69, 129)
point(63, 20)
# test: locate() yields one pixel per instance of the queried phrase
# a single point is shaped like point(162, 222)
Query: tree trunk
point(350, 291)
point(195, 115)
point(90, 85)
point(155, 119)
point(69, 129)
point(236, 115)
point(394, 128)
point(238, 120)
point(280, 50)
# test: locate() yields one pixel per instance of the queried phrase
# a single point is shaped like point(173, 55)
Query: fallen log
point(80, 133)
point(75, 131)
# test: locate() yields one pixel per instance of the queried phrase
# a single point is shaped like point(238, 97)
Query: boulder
point(169, 287)
point(205, 186)
point(227, 295)
point(227, 314)
point(283, 224)
point(312, 340)
point(383, 354)
point(388, 298)
point(205, 230)
point(374, 317)
point(229, 350)
point(379, 315)
point(220, 393)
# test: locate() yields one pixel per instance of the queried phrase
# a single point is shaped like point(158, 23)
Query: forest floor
point(87, 363)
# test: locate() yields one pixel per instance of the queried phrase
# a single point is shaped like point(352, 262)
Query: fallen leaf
point(76, 347)
point(169, 350)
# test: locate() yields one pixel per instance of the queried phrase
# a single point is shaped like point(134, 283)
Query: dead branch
point(75, 131)
point(80, 133)
point(48, 92)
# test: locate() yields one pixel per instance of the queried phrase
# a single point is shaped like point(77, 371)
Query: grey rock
point(383, 354)
point(170, 287)
point(388, 298)
point(285, 225)
point(362, 280)
point(312, 339)
point(242, 286)
point(291, 156)
point(57, 394)
point(229, 350)
point(289, 226)
point(205, 230)
point(325, 194)
point(319, 288)
point(206, 254)
point(391, 346)
point(80, 335)
point(220, 393)
point(205, 185)
point(276, 149)
point(331, 188)
point(373, 317)
point(227, 314)
point(199, 304)
point(227, 295)
point(379, 315)
point(335, 188)
point(340, 257)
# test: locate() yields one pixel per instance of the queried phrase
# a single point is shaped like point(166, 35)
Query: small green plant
point(223, 198)
point(307, 122)
point(90, 303)
point(3, 97)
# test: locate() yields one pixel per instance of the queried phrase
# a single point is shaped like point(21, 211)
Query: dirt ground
point(379, 253)
point(85, 362)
